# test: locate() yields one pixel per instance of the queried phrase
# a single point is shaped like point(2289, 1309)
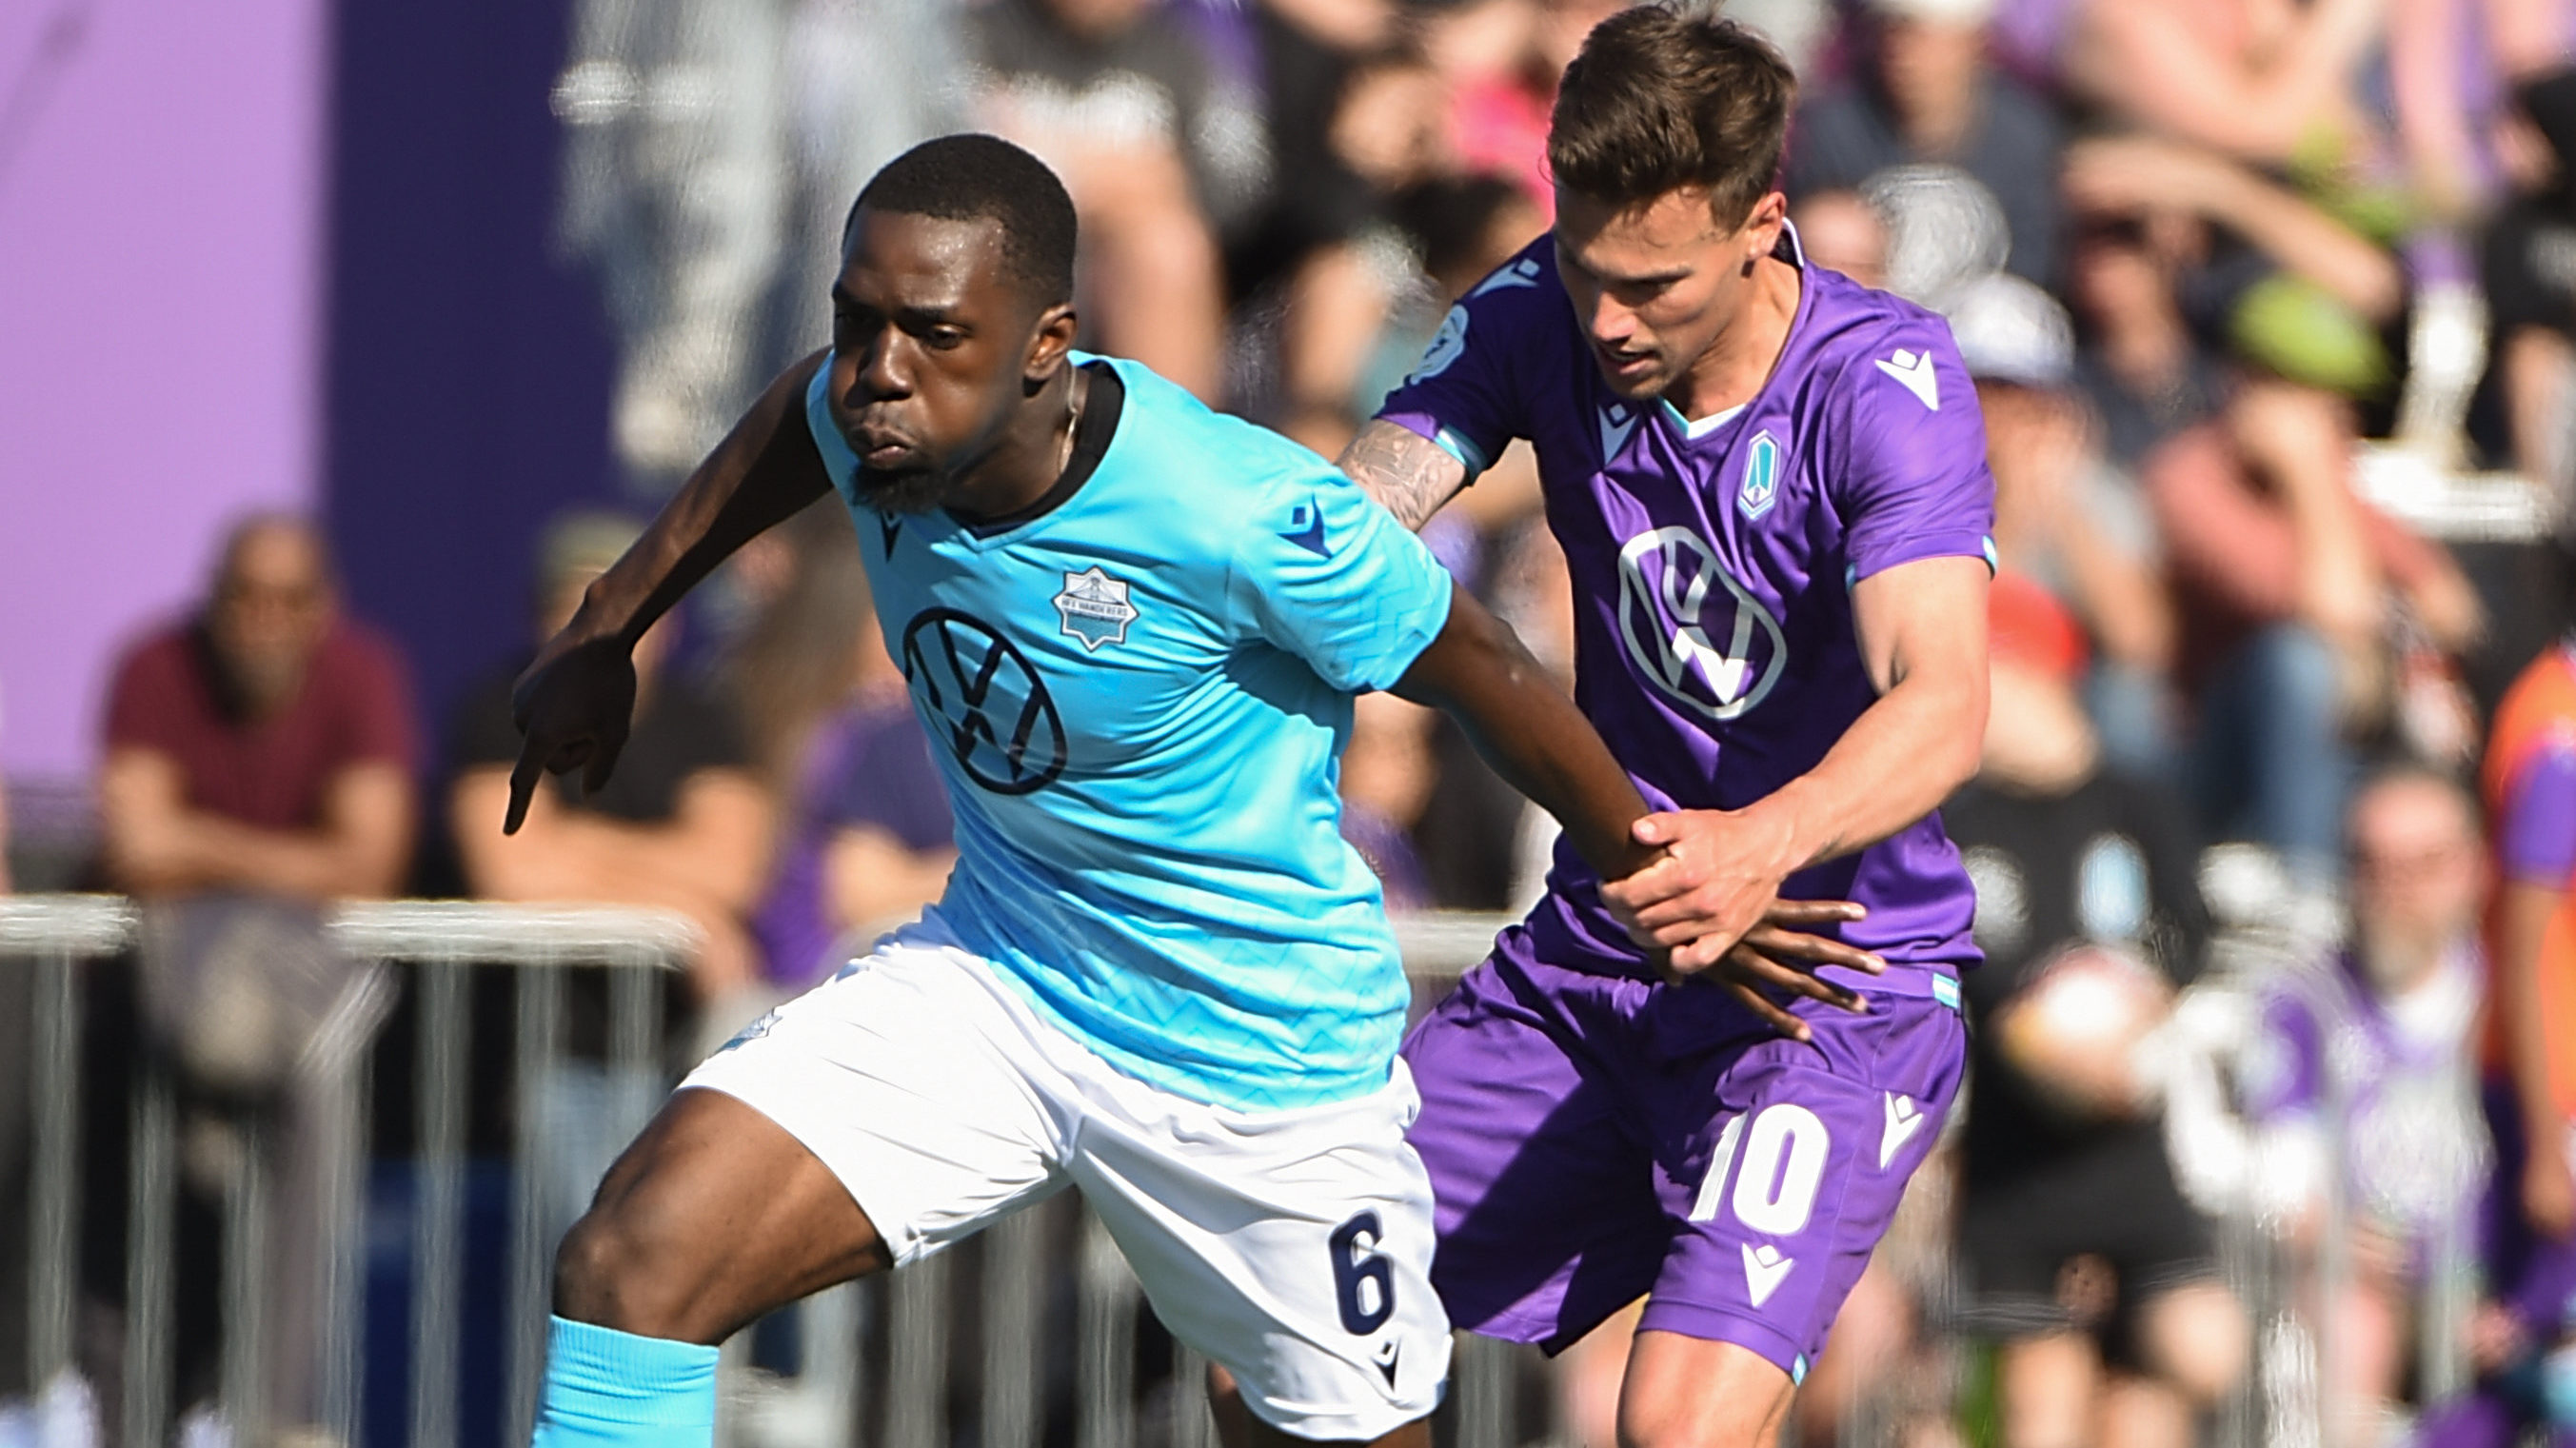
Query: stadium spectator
point(1120, 100)
point(1843, 233)
point(1497, 86)
point(683, 826)
point(2064, 517)
point(2287, 584)
point(2078, 1249)
point(1460, 229)
point(264, 746)
point(1925, 94)
point(793, 662)
point(2364, 1073)
point(2522, 1337)
point(259, 764)
point(1310, 264)
point(2531, 294)
point(866, 841)
point(2258, 79)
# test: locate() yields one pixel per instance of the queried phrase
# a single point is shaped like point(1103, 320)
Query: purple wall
point(160, 189)
point(469, 365)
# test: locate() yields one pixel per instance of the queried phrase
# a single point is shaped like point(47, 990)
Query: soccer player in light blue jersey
point(1132, 628)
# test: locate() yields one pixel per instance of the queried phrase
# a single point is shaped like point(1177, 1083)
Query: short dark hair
point(974, 177)
point(1657, 100)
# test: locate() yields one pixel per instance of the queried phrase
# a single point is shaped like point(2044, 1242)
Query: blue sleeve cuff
point(1458, 445)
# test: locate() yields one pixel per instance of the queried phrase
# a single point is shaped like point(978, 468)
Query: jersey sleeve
point(2537, 842)
point(1911, 482)
point(1465, 394)
point(1327, 575)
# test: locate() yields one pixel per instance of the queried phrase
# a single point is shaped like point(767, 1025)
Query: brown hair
point(1658, 100)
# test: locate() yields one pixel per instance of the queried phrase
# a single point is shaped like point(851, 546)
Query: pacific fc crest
point(1095, 608)
point(1761, 485)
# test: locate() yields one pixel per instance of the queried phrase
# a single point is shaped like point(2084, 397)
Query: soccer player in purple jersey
point(1771, 487)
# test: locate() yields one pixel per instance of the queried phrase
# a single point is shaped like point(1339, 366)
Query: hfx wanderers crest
point(1095, 608)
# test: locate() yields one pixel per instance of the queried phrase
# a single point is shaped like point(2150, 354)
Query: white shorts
point(1293, 1247)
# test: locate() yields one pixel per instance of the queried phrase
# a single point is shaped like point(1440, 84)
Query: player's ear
point(1048, 345)
point(1761, 229)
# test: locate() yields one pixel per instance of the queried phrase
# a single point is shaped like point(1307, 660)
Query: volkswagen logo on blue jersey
point(992, 708)
point(1695, 633)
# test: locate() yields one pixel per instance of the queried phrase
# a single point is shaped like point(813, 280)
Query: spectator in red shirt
point(265, 745)
point(259, 764)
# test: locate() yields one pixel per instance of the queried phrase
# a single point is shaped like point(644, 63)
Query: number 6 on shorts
point(1358, 1265)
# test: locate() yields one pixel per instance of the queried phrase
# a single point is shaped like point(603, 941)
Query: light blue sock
point(611, 1389)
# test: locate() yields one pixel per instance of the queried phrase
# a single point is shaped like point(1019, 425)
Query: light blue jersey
point(1139, 699)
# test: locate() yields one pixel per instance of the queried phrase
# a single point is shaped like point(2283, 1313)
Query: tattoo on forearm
point(1408, 474)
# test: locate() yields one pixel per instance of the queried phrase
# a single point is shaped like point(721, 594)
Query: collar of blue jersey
point(1789, 249)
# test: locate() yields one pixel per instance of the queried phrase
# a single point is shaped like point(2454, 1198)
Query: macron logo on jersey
point(1618, 424)
point(1522, 273)
point(1308, 520)
point(1914, 369)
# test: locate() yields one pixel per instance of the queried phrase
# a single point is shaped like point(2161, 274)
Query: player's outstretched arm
point(573, 705)
point(1478, 673)
point(1408, 474)
point(1922, 628)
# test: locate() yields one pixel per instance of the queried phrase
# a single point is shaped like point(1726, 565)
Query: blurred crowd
point(2254, 292)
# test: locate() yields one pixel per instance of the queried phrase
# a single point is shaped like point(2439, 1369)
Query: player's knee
point(612, 1272)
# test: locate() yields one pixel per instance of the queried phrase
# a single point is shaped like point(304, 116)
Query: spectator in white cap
point(1924, 93)
point(2064, 517)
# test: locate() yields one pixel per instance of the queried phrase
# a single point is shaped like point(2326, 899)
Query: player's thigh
point(1806, 1158)
point(904, 1087)
point(713, 1216)
point(1293, 1248)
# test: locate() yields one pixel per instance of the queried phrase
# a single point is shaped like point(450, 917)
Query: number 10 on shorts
point(1784, 1166)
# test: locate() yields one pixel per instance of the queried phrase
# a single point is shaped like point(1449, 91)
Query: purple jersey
point(1712, 565)
point(2392, 1081)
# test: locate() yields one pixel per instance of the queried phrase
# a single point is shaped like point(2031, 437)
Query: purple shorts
point(1594, 1138)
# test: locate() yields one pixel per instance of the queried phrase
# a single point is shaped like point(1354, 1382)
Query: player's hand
point(1778, 958)
point(573, 707)
point(2549, 1194)
point(1719, 871)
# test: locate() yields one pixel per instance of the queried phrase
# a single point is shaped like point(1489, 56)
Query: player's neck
point(1029, 458)
point(1736, 365)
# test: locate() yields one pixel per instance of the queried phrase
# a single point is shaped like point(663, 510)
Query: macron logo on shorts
point(1904, 1118)
point(1765, 1268)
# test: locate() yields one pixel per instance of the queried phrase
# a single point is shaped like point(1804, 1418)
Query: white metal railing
point(897, 1334)
point(1028, 1332)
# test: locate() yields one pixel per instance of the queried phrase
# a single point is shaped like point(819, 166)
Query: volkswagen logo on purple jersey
point(983, 699)
point(1695, 633)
